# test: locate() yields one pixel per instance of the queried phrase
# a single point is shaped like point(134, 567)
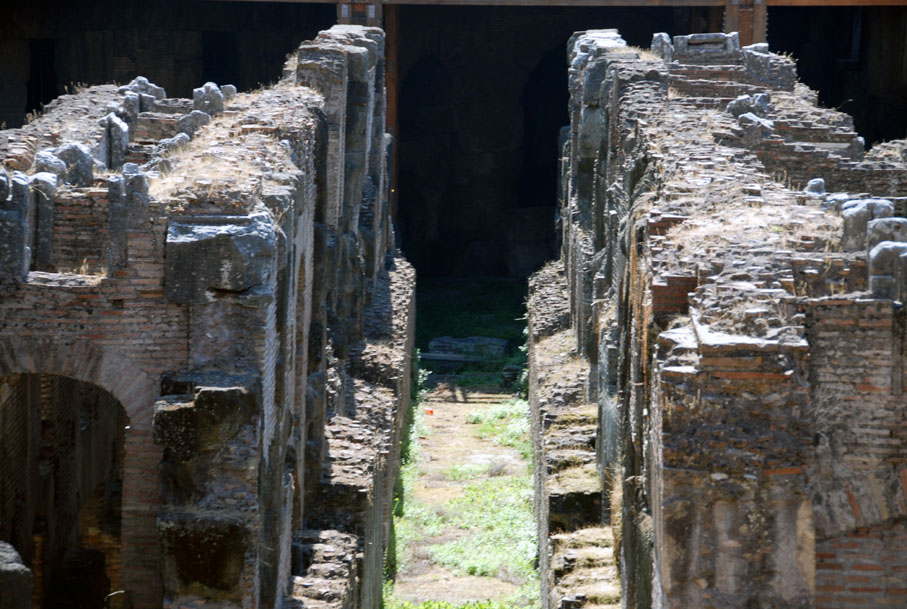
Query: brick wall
point(749, 392)
point(80, 231)
point(864, 569)
point(293, 258)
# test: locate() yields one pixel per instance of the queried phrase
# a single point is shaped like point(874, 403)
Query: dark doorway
point(428, 135)
point(855, 57)
point(220, 58)
point(61, 471)
point(482, 101)
point(42, 74)
point(544, 102)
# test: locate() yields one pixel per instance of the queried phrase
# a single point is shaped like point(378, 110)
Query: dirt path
point(452, 456)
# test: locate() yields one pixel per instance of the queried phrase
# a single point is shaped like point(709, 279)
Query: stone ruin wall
point(223, 268)
point(718, 358)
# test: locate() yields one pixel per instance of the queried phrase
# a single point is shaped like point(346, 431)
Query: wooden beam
point(837, 2)
point(731, 16)
point(391, 83)
point(621, 3)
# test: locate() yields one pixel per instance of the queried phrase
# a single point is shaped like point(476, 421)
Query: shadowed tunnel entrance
point(61, 472)
point(483, 96)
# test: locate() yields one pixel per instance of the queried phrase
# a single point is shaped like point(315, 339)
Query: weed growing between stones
point(501, 540)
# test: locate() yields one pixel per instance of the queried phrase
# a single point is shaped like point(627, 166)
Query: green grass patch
point(498, 514)
point(474, 307)
point(506, 424)
point(495, 512)
point(391, 602)
point(465, 471)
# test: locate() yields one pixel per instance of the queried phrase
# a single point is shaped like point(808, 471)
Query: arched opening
point(61, 479)
point(531, 240)
point(483, 95)
point(855, 57)
point(428, 135)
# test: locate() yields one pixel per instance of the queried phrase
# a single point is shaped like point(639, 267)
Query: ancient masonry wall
point(222, 269)
point(730, 296)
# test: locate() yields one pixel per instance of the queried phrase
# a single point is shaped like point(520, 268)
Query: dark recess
point(220, 57)
point(483, 95)
point(42, 75)
point(856, 58)
point(46, 45)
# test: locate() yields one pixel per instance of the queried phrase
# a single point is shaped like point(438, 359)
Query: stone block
point(44, 186)
point(885, 229)
point(47, 161)
point(229, 92)
point(132, 105)
point(212, 417)
point(115, 143)
point(16, 579)
point(203, 554)
point(768, 69)
point(758, 104)
point(885, 269)
point(857, 214)
point(79, 163)
point(324, 68)
point(192, 122)
point(483, 346)
point(169, 144)
point(662, 46)
point(816, 186)
point(233, 255)
point(141, 85)
point(714, 47)
point(16, 207)
point(754, 127)
point(208, 98)
point(117, 222)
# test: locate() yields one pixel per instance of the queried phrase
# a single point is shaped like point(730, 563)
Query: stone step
point(589, 558)
point(561, 459)
point(583, 538)
point(582, 440)
point(574, 498)
point(455, 358)
point(583, 591)
point(291, 602)
point(587, 414)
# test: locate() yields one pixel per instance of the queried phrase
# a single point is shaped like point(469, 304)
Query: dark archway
point(136, 391)
point(428, 134)
point(545, 101)
point(483, 96)
point(62, 447)
point(855, 57)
